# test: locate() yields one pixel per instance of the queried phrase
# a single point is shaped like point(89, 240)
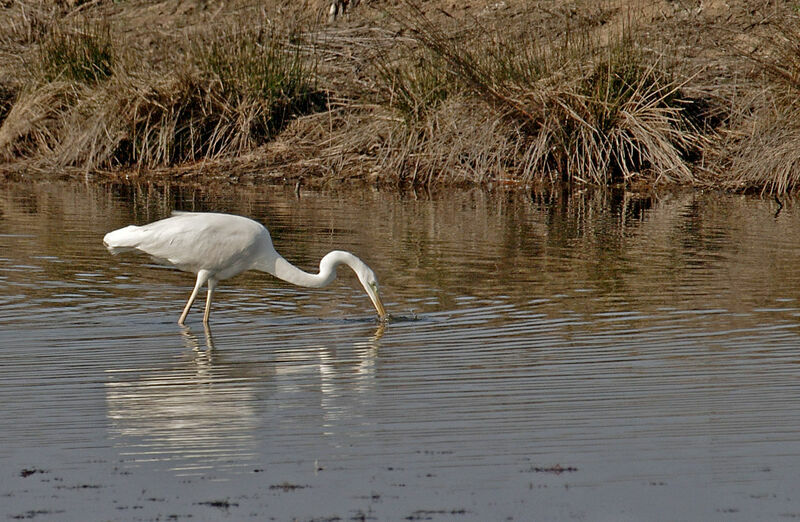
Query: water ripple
point(537, 363)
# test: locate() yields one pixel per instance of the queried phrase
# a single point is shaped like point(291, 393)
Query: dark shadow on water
point(410, 318)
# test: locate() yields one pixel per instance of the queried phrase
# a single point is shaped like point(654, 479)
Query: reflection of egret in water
point(193, 343)
point(205, 410)
point(328, 385)
point(334, 402)
point(194, 413)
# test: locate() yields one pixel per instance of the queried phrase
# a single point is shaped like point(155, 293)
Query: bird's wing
point(193, 241)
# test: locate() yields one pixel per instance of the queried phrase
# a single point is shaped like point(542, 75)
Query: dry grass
point(234, 90)
point(767, 154)
point(761, 149)
point(34, 120)
point(79, 54)
point(408, 92)
point(559, 109)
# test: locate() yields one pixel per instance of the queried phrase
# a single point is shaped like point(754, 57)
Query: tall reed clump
point(762, 150)
point(415, 83)
point(230, 92)
point(573, 109)
point(241, 87)
point(82, 53)
point(7, 96)
point(238, 89)
point(70, 60)
point(264, 75)
point(432, 131)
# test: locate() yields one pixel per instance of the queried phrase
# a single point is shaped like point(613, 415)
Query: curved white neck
point(282, 269)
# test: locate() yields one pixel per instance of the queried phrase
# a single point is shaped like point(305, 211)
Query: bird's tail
point(123, 239)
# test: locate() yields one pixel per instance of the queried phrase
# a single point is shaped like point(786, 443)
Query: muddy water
point(594, 357)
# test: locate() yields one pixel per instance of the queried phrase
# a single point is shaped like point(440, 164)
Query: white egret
point(220, 246)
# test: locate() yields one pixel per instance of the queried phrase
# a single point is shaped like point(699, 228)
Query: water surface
point(589, 357)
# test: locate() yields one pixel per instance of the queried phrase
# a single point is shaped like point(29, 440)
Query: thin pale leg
point(202, 277)
point(212, 284)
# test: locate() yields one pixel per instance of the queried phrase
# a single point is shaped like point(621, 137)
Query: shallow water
point(593, 357)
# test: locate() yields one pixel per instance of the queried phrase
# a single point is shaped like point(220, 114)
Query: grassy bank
point(617, 92)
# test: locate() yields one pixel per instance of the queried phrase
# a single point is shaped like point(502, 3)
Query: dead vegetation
point(89, 105)
point(575, 109)
point(412, 92)
point(761, 148)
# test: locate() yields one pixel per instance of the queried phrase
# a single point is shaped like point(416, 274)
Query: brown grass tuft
point(571, 109)
point(236, 90)
point(32, 126)
point(761, 149)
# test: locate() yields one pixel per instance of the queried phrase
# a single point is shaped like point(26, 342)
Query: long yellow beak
point(379, 307)
point(376, 300)
point(381, 310)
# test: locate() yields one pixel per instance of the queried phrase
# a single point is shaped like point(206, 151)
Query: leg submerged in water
point(202, 277)
point(212, 284)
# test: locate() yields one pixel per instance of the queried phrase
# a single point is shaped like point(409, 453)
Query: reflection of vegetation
point(430, 251)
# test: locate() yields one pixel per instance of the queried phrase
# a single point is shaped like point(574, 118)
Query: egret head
point(327, 273)
point(370, 283)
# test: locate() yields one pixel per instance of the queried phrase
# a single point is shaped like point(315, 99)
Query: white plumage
point(220, 246)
